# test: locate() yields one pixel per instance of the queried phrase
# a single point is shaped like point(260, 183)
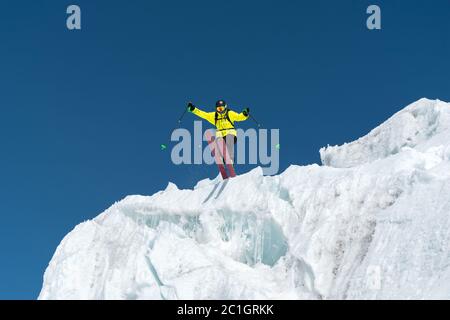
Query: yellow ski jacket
point(224, 122)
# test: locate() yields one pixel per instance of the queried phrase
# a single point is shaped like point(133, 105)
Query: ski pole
point(259, 126)
point(257, 123)
point(164, 146)
point(184, 112)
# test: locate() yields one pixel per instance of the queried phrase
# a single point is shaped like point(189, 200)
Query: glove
point(246, 112)
point(191, 107)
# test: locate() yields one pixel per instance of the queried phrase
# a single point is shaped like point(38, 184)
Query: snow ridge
point(371, 223)
point(420, 125)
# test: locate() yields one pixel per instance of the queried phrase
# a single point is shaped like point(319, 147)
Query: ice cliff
point(372, 222)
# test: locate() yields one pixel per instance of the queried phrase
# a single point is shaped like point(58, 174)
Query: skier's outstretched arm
point(234, 116)
point(208, 116)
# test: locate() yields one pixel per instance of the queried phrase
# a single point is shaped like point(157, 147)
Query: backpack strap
point(227, 117)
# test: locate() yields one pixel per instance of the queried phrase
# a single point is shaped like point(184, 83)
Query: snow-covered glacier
point(372, 222)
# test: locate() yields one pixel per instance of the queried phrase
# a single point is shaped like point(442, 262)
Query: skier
point(223, 119)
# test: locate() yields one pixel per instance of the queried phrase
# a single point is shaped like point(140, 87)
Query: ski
point(217, 156)
point(227, 159)
point(230, 168)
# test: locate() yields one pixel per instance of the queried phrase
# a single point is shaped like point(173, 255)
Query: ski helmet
point(221, 103)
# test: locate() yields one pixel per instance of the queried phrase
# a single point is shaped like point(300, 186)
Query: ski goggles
point(221, 109)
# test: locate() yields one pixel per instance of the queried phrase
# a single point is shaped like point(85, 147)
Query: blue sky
point(83, 113)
